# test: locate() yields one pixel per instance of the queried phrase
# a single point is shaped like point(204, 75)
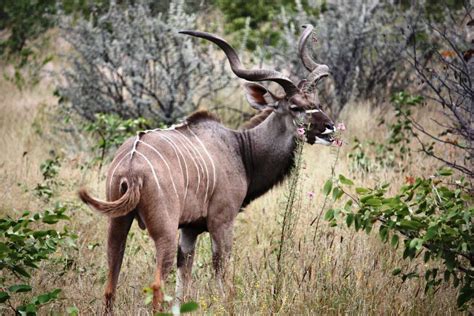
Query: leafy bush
point(27, 244)
point(395, 152)
point(23, 247)
point(25, 20)
point(135, 64)
point(111, 132)
point(49, 169)
point(435, 216)
point(261, 17)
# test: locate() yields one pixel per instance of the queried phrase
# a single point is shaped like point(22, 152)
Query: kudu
point(197, 176)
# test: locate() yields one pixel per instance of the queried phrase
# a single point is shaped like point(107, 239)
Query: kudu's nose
point(329, 126)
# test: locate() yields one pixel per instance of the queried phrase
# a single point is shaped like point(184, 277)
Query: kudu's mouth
point(327, 137)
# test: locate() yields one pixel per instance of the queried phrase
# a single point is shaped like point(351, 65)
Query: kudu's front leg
point(221, 238)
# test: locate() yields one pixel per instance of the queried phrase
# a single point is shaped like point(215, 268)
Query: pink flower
point(310, 194)
point(301, 131)
point(337, 142)
point(341, 126)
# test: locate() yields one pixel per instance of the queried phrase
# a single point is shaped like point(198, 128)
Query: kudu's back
point(177, 175)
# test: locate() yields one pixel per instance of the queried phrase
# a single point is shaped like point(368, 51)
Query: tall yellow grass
point(325, 270)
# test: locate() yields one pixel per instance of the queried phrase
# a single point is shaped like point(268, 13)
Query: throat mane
point(268, 155)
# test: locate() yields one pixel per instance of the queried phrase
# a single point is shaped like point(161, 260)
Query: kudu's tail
point(124, 205)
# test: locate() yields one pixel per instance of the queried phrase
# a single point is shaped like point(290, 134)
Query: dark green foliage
point(25, 19)
point(435, 9)
point(264, 25)
point(111, 131)
point(23, 247)
point(28, 243)
point(49, 169)
point(435, 215)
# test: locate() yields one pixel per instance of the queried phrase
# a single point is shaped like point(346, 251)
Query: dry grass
point(324, 270)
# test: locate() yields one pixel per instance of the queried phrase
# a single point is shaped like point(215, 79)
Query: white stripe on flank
point(179, 136)
point(152, 169)
point(312, 111)
point(210, 159)
point(203, 162)
point(176, 150)
point(166, 163)
point(113, 172)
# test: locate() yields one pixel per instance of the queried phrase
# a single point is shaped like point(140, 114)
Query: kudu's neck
point(268, 152)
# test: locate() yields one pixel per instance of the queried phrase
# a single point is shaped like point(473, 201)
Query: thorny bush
point(135, 64)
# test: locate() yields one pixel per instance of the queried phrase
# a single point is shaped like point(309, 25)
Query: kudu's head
point(300, 103)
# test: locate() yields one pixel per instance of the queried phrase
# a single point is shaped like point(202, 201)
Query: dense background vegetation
point(382, 224)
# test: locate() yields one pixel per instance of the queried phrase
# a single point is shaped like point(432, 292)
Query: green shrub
point(29, 242)
point(25, 243)
point(434, 215)
point(263, 15)
point(395, 152)
point(111, 131)
point(49, 169)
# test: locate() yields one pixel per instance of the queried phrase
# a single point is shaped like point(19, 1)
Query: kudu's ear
point(259, 97)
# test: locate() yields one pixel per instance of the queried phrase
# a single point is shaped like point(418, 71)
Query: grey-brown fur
point(196, 177)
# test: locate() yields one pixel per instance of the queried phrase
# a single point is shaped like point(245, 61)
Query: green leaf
point(47, 297)
point(31, 309)
point(357, 222)
point(444, 172)
point(327, 187)
point(329, 215)
point(72, 311)
point(345, 181)
point(188, 307)
point(394, 241)
point(396, 271)
point(21, 271)
point(431, 232)
point(337, 193)
point(449, 260)
point(383, 232)
point(465, 295)
point(374, 202)
point(362, 191)
point(426, 256)
point(4, 296)
point(349, 219)
point(411, 225)
point(416, 243)
point(19, 288)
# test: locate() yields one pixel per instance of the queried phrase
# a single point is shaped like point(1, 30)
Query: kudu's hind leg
point(117, 237)
point(187, 243)
point(165, 244)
